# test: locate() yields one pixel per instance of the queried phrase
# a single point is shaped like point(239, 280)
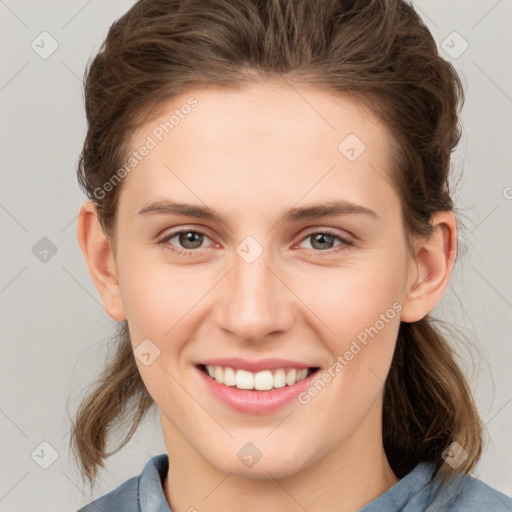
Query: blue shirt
point(416, 492)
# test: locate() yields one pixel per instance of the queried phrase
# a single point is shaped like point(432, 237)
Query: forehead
point(265, 141)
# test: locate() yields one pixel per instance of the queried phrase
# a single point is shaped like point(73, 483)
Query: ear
point(431, 267)
point(97, 250)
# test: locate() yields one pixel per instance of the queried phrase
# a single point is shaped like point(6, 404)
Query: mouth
point(255, 388)
point(264, 380)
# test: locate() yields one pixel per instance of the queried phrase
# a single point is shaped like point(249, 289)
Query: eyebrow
point(294, 214)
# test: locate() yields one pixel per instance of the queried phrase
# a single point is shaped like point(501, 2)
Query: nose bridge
point(256, 302)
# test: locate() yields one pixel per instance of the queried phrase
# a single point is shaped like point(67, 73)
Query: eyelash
point(193, 252)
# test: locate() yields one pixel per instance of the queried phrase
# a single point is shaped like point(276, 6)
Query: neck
point(350, 477)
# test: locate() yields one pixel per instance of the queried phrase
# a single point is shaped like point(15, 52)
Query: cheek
point(154, 294)
point(362, 349)
point(163, 304)
point(347, 298)
point(360, 306)
point(353, 296)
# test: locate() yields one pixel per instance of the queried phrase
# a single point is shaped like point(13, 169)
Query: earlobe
point(97, 250)
point(431, 268)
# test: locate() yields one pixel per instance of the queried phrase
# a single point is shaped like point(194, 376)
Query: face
point(287, 273)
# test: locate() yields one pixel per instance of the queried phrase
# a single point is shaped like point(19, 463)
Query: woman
point(269, 221)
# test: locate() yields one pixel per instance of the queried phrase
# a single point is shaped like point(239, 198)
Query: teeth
point(261, 381)
point(302, 374)
point(280, 378)
point(229, 377)
point(291, 377)
point(244, 379)
point(219, 375)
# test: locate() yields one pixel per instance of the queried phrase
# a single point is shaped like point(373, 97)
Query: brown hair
point(380, 53)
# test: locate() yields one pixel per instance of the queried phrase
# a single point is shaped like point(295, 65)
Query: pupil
point(189, 238)
point(322, 238)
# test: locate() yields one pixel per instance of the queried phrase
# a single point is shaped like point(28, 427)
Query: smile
point(258, 388)
point(259, 381)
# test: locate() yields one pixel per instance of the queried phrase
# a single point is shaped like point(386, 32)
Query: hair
point(377, 52)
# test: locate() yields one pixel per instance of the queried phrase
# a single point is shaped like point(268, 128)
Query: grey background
point(55, 332)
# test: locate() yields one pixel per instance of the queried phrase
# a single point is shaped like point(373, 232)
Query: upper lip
point(255, 366)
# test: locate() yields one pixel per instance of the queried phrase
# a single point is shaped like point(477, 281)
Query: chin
point(270, 462)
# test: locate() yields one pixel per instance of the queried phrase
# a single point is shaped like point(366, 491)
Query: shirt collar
point(152, 498)
point(151, 493)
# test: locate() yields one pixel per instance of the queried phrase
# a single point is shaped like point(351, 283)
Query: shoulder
point(464, 493)
point(420, 491)
point(475, 496)
point(142, 489)
point(124, 497)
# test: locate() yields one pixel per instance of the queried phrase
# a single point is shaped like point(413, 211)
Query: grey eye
point(190, 239)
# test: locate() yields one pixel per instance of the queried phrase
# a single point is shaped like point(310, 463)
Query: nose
point(256, 302)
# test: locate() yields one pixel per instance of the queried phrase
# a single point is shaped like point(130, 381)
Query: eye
point(323, 240)
point(189, 239)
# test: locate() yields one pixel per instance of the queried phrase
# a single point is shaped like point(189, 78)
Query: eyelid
point(186, 229)
point(348, 238)
point(344, 240)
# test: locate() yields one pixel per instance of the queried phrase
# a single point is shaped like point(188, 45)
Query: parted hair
point(377, 52)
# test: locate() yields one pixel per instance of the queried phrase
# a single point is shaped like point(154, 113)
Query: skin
point(250, 154)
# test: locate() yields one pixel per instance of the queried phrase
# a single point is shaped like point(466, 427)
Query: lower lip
point(252, 401)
